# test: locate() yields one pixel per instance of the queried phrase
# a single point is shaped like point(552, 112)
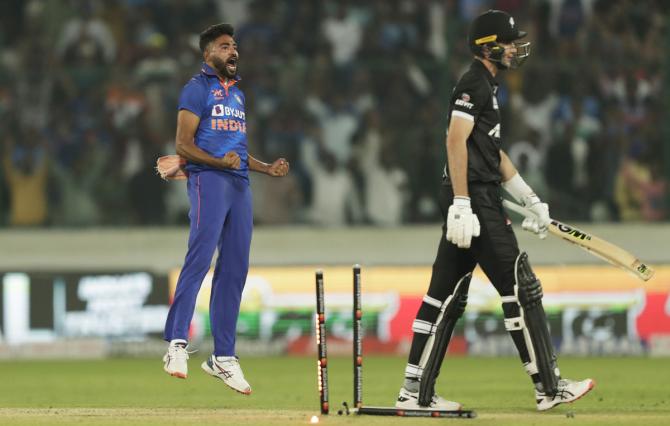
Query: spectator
point(385, 184)
point(26, 169)
point(639, 190)
point(86, 37)
point(339, 121)
point(77, 184)
point(333, 199)
point(344, 33)
point(591, 94)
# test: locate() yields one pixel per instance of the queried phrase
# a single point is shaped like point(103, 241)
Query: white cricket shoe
point(175, 361)
point(229, 371)
point(568, 391)
point(410, 400)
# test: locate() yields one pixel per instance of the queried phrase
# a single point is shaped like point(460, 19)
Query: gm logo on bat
point(575, 233)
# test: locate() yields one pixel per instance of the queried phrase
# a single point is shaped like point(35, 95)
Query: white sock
point(175, 342)
point(412, 384)
point(225, 358)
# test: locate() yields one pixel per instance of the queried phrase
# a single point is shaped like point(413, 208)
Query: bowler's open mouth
point(231, 65)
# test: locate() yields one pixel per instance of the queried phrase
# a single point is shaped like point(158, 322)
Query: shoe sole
point(591, 386)
point(212, 373)
point(418, 407)
point(175, 373)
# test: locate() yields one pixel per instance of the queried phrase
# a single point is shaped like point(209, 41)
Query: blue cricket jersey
point(223, 125)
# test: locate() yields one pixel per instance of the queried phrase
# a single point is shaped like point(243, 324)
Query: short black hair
point(214, 32)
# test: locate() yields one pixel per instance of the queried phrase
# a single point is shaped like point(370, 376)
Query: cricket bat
point(594, 245)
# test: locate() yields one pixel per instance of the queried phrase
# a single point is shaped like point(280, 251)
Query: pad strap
point(432, 301)
point(423, 327)
point(413, 371)
point(513, 324)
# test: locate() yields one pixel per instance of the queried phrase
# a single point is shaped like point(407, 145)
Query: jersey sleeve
point(193, 97)
point(470, 96)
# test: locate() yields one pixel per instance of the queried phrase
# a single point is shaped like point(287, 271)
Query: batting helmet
point(493, 27)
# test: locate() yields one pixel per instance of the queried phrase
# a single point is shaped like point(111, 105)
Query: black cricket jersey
point(474, 98)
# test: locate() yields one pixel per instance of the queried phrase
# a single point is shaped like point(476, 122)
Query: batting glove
point(462, 224)
point(539, 224)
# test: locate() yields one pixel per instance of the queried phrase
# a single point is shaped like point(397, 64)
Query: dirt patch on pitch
point(146, 416)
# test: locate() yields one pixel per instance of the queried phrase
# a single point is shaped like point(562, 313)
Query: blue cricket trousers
point(221, 217)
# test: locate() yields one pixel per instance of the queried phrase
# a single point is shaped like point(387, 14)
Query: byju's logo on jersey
point(234, 121)
point(220, 110)
point(464, 101)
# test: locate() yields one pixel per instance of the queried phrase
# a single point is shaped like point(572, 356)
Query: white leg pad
point(423, 327)
point(413, 371)
point(432, 301)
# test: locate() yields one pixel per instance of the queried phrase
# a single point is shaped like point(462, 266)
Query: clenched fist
point(278, 168)
point(230, 161)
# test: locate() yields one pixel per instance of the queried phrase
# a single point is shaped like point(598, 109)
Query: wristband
point(519, 189)
point(461, 201)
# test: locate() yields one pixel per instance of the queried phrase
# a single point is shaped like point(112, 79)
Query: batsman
point(477, 231)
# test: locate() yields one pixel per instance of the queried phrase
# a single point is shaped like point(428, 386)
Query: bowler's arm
point(278, 168)
point(256, 165)
point(187, 125)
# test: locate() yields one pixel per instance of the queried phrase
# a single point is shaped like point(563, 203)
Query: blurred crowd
point(353, 93)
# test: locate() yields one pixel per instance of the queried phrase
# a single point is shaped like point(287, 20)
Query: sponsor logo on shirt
point(219, 110)
point(464, 101)
point(218, 94)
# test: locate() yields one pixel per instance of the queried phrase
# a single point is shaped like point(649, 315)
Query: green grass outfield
point(629, 391)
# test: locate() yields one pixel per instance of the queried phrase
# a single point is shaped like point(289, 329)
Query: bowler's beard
point(221, 68)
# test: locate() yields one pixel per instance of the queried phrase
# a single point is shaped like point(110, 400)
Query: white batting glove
point(539, 224)
point(462, 224)
point(522, 193)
